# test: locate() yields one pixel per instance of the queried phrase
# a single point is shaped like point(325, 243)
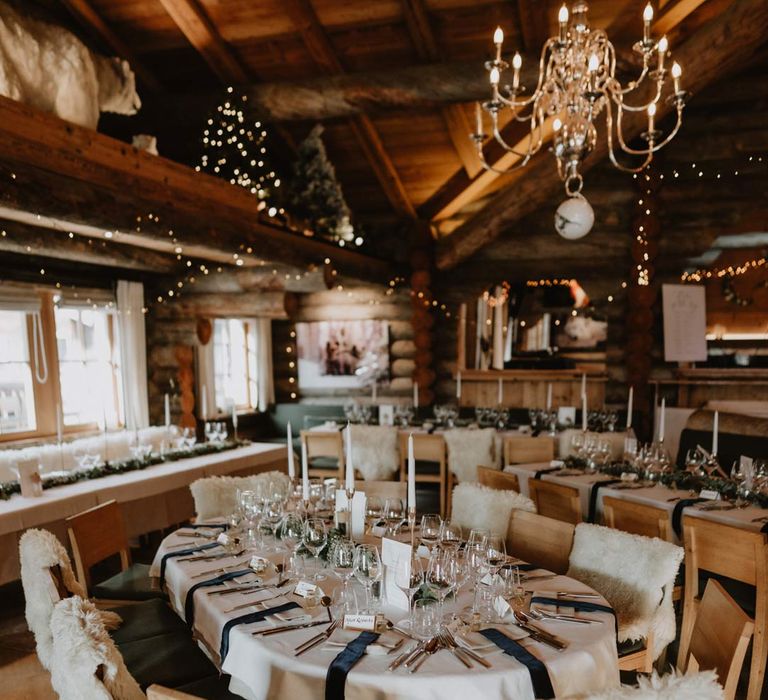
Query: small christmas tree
point(315, 194)
point(236, 151)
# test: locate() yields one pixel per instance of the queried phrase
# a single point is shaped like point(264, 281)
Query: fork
point(537, 614)
point(469, 652)
point(220, 570)
point(454, 649)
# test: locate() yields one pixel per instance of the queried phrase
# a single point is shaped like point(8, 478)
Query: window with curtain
point(17, 396)
point(235, 361)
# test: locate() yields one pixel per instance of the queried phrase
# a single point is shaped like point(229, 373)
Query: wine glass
point(478, 538)
point(431, 525)
point(495, 552)
point(441, 576)
point(342, 559)
point(292, 534)
point(367, 569)
point(250, 505)
point(272, 513)
point(374, 509)
point(394, 512)
point(411, 583)
point(315, 538)
point(450, 536)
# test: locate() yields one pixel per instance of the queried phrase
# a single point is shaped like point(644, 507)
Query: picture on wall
point(342, 354)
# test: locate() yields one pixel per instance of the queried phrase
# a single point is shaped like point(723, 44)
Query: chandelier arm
point(510, 149)
point(651, 149)
point(611, 153)
point(486, 166)
point(672, 134)
point(632, 84)
point(618, 99)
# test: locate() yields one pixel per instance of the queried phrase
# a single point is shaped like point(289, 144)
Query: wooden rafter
point(320, 48)
point(92, 21)
point(534, 23)
point(716, 50)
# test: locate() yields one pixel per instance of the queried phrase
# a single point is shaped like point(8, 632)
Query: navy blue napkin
point(542, 685)
point(182, 553)
point(583, 605)
point(195, 526)
point(592, 513)
point(538, 474)
point(257, 616)
point(521, 567)
point(336, 678)
point(189, 601)
point(677, 513)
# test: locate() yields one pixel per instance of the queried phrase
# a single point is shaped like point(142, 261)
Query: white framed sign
point(685, 322)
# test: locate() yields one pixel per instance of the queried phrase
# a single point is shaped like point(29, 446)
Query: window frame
point(251, 373)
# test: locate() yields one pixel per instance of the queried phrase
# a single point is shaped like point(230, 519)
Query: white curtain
point(206, 378)
point(265, 381)
point(133, 353)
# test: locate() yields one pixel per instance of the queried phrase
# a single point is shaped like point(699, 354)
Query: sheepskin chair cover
point(672, 686)
point(81, 645)
point(374, 451)
point(216, 496)
point(468, 449)
point(476, 506)
point(636, 576)
point(49, 68)
point(39, 551)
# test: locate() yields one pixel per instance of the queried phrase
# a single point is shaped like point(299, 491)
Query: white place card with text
point(396, 558)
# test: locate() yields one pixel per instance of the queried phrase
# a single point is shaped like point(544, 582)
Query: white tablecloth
point(152, 498)
point(265, 667)
point(658, 496)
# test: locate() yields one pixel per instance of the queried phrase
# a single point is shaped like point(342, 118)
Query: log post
point(186, 379)
point(422, 319)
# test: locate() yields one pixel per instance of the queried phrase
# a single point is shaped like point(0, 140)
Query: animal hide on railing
point(48, 67)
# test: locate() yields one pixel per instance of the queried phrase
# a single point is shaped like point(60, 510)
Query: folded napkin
point(336, 678)
point(592, 513)
point(540, 472)
point(581, 605)
point(677, 513)
point(182, 553)
point(195, 526)
point(542, 685)
point(189, 601)
point(257, 616)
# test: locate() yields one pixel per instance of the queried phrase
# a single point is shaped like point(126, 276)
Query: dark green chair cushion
point(630, 646)
point(149, 618)
point(169, 659)
point(132, 584)
point(323, 463)
point(212, 688)
point(282, 413)
point(423, 467)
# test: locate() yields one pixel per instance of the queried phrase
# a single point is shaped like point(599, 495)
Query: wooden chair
point(495, 479)
point(543, 541)
point(735, 553)
point(556, 500)
point(383, 489)
point(324, 446)
point(525, 449)
point(159, 692)
point(719, 638)
point(427, 448)
point(99, 533)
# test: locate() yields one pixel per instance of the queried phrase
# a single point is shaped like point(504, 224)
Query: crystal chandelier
point(576, 83)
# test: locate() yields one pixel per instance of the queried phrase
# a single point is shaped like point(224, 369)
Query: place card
point(566, 415)
point(358, 510)
point(305, 589)
point(396, 559)
point(386, 415)
point(29, 478)
point(709, 494)
point(360, 623)
point(224, 539)
point(630, 445)
point(501, 607)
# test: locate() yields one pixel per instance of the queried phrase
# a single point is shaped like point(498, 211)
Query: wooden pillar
point(185, 356)
point(422, 317)
point(643, 291)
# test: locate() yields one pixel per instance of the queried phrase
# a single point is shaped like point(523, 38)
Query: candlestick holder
point(412, 523)
point(350, 495)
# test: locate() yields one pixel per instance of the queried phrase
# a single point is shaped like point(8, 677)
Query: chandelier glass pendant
point(576, 84)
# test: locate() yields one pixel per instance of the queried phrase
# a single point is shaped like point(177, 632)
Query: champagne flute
point(429, 534)
point(272, 516)
point(315, 538)
point(367, 569)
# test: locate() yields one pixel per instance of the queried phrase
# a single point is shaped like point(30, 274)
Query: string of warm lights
point(719, 272)
point(699, 171)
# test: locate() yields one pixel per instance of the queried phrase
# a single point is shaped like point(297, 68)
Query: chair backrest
point(543, 541)
point(216, 496)
point(525, 449)
point(495, 479)
point(556, 500)
point(426, 448)
point(637, 518)
point(159, 692)
point(95, 534)
point(476, 506)
point(324, 444)
point(466, 448)
point(720, 637)
point(375, 451)
point(383, 489)
point(86, 663)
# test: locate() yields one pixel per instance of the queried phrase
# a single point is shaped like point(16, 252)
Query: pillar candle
point(458, 385)
point(350, 480)
point(501, 391)
point(204, 403)
point(291, 465)
point(411, 475)
point(167, 400)
point(415, 394)
point(715, 424)
point(661, 420)
point(584, 412)
point(304, 472)
point(629, 406)
point(549, 397)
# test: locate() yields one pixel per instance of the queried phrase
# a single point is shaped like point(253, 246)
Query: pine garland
point(10, 488)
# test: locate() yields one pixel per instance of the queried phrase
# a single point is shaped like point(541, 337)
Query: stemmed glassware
point(394, 512)
point(367, 569)
point(410, 584)
point(441, 576)
point(342, 559)
point(292, 534)
point(272, 514)
point(431, 525)
point(374, 510)
point(495, 552)
point(250, 505)
point(450, 536)
point(315, 538)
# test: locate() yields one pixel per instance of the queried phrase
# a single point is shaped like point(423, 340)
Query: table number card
point(387, 415)
point(566, 415)
point(358, 510)
point(29, 477)
point(396, 558)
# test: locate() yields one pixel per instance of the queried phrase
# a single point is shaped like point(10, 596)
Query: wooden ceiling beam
point(716, 50)
point(534, 23)
point(87, 17)
point(303, 15)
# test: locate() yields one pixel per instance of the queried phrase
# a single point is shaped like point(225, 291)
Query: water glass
point(342, 560)
point(425, 618)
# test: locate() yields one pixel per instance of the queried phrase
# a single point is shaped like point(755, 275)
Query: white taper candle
point(629, 406)
point(415, 394)
point(204, 403)
point(500, 391)
point(715, 425)
point(583, 384)
point(350, 470)
point(661, 419)
point(304, 472)
point(458, 385)
point(549, 397)
point(411, 474)
point(291, 465)
point(584, 412)
point(167, 402)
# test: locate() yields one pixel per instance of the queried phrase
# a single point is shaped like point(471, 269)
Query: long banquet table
point(658, 496)
point(265, 667)
point(151, 499)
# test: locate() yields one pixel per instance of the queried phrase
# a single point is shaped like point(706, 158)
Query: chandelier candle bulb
point(651, 118)
point(562, 18)
point(291, 465)
point(647, 17)
point(677, 71)
point(715, 425)
point(517, 62)
point(663, 48)
point(478, 119)
point(498, 39)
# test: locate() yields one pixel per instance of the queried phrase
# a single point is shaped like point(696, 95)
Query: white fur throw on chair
point(476, 506)
point(672, 686)
point(216, 496)
point(467, 449)
point(374, 451)
point(81, 646)
point(636, 576)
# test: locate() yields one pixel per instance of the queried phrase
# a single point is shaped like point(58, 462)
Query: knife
point(405, 656)
point(540, 635)
point(288, 628)
point(318, 639)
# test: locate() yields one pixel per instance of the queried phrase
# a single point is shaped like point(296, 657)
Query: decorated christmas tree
point(315, 195)
point(236, 150)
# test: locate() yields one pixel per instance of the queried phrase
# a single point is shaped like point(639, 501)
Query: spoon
point(429, 648)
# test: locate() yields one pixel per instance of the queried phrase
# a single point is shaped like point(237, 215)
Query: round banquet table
point(265, 667)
